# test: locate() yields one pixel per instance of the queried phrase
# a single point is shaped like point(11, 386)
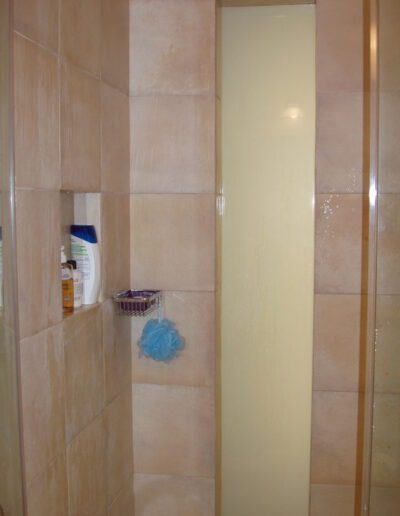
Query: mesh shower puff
point(160, 340)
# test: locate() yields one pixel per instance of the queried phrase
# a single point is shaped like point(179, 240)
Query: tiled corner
point(115, 158)
point(340, 243)
point(38, 260)
point(385, 471)
point(387, 354)
point(337, 324)
point(115, 43)
point(38, 20)
point(172, 49)
point(158, 495)
point(388, 265)
point(173, 144)
point(119, 444)
point(115, 242)
point(47, 493)
point(340, 45)
point(339, 151)
point(80, 130)
point(37, 156)
point(193, 313)
point(173, 430)
point(332, 500)
point(80, 39)
point(334, 441)
point(117, 351)
point(84, 370)
point(174, 242)
point(86, 469)
point(43, 395)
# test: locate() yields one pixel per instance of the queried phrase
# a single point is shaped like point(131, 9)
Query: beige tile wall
point(341, 229)
point(72, 133)
point(172, 110)
point(84, 80)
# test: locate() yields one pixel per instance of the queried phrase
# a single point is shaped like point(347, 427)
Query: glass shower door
point(11, 492)
point(383, 498)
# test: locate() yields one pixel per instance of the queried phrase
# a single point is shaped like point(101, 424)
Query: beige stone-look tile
point(80, 39)
point(10, 470)
point(115, 225)
point(340, 243)
point(218, 49)
point(337, 324)
point(159, 495)
point(173, 430)
point(389, 48)
point(119, 444)
point(117, 351)
point(174, 241)
point(339, 149)
point(389, 135)
point(387, 355)
point(86, 468)
point(252, 3)
point(385, 501)
point(385, 470)
point(332, 500)
point(9, 315)
point(340, 45)
point(334, 438)
point(193, 314)
point(171, 47)
point(84, 374)
point(115, 43)
point(123, 505)
point(37, 156)
point(38, 260)
point(38, 20)
point(388, 263)
point(80, 130)
point(43, 395)
point(47, 492)
point(115, 157)
point(173, 144)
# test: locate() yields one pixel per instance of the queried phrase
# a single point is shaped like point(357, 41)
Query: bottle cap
point(84, 232)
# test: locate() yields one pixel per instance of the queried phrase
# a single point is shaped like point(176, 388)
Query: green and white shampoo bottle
point(85, 251)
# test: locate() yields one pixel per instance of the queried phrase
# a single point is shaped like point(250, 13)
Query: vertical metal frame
point(372, 135)
point(8, 183)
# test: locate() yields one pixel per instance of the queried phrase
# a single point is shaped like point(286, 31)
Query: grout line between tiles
point(36, 43)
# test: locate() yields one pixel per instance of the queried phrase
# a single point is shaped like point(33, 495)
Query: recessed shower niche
point(79, 208)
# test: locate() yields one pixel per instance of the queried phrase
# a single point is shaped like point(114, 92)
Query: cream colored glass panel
point(268, 126)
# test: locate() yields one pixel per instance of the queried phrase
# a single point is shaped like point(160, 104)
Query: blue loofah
point(160, 340)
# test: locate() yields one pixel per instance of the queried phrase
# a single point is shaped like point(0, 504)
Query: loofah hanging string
point(160, 340)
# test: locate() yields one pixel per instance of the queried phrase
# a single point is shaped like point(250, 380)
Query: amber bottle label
point(67, 289)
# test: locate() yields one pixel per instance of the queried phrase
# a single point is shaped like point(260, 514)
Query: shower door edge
point(13, 242)
point(372, 134)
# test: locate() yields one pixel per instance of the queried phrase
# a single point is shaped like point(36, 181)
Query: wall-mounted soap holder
point(136, 303)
